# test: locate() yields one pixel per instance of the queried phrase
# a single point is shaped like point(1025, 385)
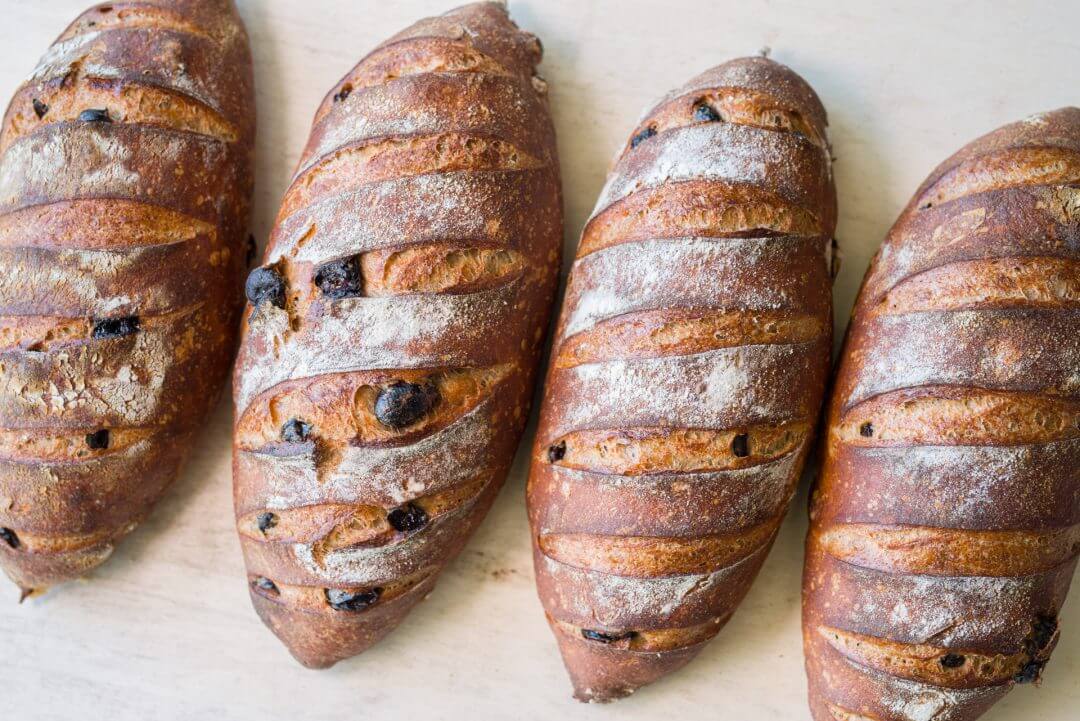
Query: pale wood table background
point(165, 630)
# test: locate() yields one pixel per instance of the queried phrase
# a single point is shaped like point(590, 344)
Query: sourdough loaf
point(394, 328)
point(686, 376)
point(125, 177)
point(945, 525)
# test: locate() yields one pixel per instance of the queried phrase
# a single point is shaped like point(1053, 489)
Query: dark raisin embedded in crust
point(267, 521)
point(705, 113)
point(408, 518)
point(265, 284)
point(866, 430)
point(953, 660)
point(740, 445)
point(8, 536)
point(98, 440)
point(340, 278)
point(346, 91)
point(1042, 635)
point(352, 600)
point(402, 404)
point(265, 584)
point(1030, 673)
point(557, 452)
point(642, 136)
point(252, 248)
point(116, 327)
point(40, 108)
point(95, 115)
point(295, 431)
point(601, 637)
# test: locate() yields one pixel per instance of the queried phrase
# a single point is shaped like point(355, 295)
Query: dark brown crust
point(689, 368)
point(95, 224)
point(944, 525)
point(433, 164)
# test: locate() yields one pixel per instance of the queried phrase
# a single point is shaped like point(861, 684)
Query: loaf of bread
point(125, 183)
point(687, 374)
point(394, 329)
point(946, 521)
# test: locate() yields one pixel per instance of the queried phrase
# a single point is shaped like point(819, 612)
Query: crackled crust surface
point(377, 418)
point(125, 182)
point(687, 374)
point(946, 520)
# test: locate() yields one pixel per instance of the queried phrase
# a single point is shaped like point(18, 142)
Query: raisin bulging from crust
point(953, 660)
point(642, 136)
point(601, 637)
point(740, 445)
point(408, 518)
point(116, 327)
point(98, 440)
point(267, 521)
point(557, 452)
point(265, 584)
point(95, 115)
point(352, 600)
point(705, 113)
point(346, 91)
point(295, 431)
point(866, 430)
point(403, 404)
point(265, 285)
point(40, 109)
point(1030, 673)
point(340, 278)
point(9, 537)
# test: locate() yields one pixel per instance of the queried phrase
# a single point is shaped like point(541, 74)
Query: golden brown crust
point(382, 391)
point(945, 521)
point(688, 370)
point(125, 182)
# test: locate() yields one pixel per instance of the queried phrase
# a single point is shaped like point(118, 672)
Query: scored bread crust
point(432, 171)
point(686, 375)
point(945, 524)
point(139, 213)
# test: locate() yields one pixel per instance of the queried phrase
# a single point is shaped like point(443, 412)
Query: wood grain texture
point(172, 635)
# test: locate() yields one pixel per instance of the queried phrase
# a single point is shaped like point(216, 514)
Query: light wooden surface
point(165, 630)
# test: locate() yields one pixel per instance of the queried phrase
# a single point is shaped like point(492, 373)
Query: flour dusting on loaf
point(394, 330)
point(944, 523)
point(695, 332)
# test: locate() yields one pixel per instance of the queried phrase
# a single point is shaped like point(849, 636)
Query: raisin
point(953, 660)
point(402, 404)
point(295, 431)
point(265, 584)
point(95, 115)
point(606, 637)
point(346, 91)
point(1043, 631)
point(265, 284)
point(251, 249)
point(116, 327)
point(866, 430)
point(339, 278)
point(8, 536)
point(408, 518)
point(642, 136)
point(40, 108)
point(267, 521)
point(98, 440)
point(1030, 672)
point(557, 452)
point(740, 445)
point(352, 600)
point(705, 113)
